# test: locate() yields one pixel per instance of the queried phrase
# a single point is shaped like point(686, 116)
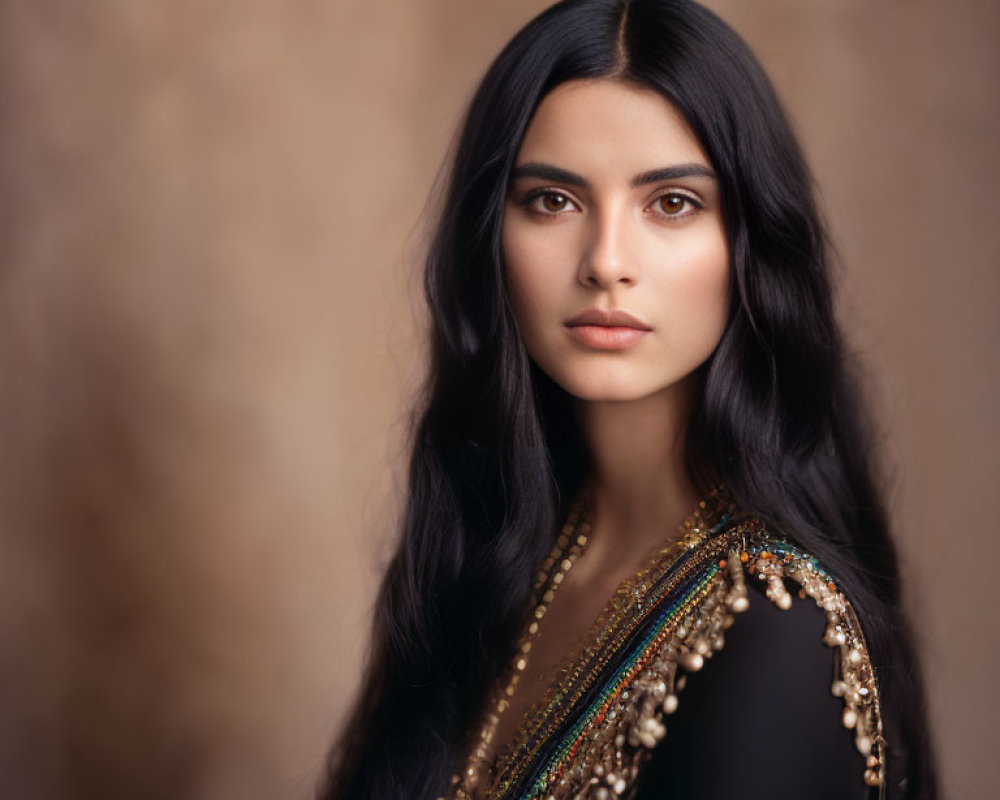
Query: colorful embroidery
point(600, 719)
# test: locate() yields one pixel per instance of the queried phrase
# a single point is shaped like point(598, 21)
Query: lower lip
point(601, 337)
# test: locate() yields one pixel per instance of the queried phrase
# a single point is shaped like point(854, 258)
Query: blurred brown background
point(211, 221)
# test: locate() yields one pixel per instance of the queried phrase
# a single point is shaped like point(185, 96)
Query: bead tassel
point(568, 747)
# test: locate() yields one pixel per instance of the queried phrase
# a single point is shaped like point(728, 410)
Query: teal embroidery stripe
point(615, 683)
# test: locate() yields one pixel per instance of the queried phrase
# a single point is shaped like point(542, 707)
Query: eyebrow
point(548, 172)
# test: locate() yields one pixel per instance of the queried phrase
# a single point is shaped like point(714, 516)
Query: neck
point(641, 488)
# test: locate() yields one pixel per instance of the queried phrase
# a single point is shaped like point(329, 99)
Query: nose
point(607, 260)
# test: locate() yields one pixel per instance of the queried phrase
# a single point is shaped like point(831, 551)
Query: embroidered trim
point(600, 719)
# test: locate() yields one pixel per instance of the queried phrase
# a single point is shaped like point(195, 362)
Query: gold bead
point(692, 662)
point(834, 636)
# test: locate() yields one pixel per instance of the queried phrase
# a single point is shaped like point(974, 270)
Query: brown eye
point(553, 202)
point(673, 204)
point(549, 203)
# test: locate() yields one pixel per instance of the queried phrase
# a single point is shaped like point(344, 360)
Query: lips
point(607, 330)
point(607, 319)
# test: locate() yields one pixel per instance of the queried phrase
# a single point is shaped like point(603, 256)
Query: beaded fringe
point(589, 736)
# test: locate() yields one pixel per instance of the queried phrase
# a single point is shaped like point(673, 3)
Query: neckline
point(693, 530)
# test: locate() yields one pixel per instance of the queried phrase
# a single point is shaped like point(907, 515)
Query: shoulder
point(759, 719)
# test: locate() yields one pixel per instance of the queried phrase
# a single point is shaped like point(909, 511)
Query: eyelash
point(529, 203)
point(695, 204)
point(531, 198)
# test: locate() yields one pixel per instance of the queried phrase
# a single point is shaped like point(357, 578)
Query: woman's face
point(616, 258)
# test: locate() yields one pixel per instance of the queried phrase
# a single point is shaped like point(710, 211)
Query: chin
point(594, 390)
point(589, 383)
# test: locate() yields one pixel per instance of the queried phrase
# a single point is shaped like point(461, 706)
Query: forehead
point(606, 124)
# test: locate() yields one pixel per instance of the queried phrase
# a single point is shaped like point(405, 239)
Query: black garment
point(758, 722)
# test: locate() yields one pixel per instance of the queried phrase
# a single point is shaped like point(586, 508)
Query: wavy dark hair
point(496, 454)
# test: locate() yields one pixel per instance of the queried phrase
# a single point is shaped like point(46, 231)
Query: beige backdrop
point(209, 330)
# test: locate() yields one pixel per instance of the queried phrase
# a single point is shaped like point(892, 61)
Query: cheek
point(713, 286)
point(700, 295)
point(517, 274)
point(532, 266)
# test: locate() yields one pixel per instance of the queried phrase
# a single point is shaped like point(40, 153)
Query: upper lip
point(607, 319)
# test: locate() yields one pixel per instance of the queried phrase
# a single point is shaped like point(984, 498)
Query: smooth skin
point(613, 206)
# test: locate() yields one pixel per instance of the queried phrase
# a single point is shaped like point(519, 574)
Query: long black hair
point(496, 454)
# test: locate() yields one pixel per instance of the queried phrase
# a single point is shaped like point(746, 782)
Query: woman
point(631, 310)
